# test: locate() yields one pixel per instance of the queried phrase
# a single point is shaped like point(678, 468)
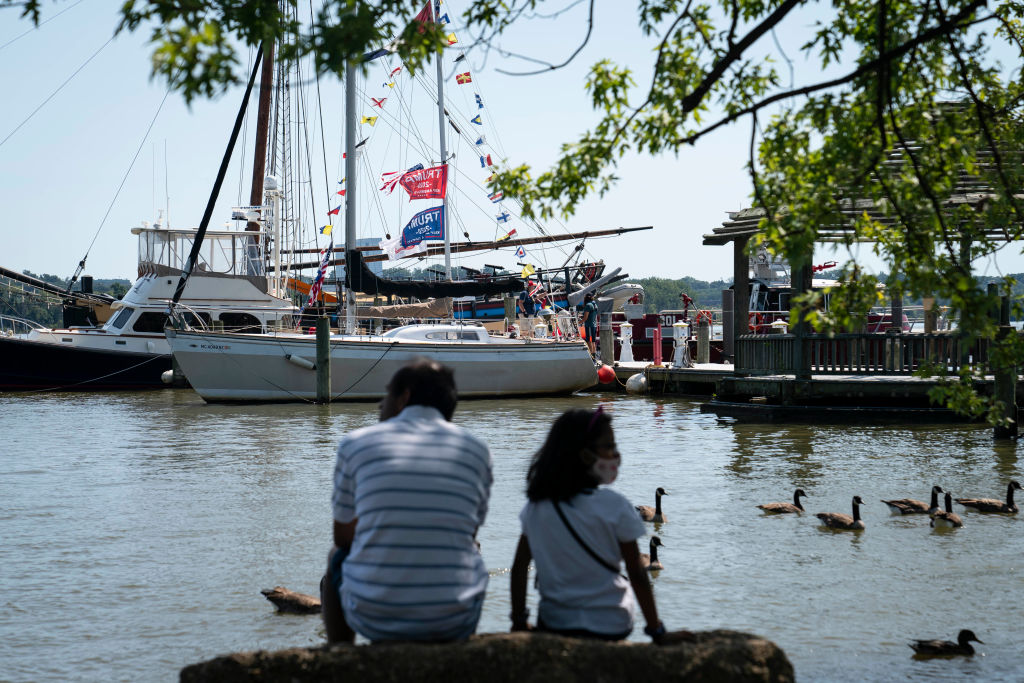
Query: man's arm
point(344, 533)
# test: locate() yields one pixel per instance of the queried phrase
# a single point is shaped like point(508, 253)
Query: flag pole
point(350, 186)
point(444, 151)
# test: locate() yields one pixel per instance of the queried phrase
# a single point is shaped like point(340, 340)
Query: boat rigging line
point(81, 264)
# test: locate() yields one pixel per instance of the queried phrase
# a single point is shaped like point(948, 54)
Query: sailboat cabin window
point(155, 322)
point(240, 322)
point(122, 317)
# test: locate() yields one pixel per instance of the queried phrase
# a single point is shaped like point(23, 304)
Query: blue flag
point(479, 101)
point(477, 120)
point(426, 225)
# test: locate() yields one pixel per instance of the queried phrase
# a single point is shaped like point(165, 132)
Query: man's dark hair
point(429, 384)
point(558, 470)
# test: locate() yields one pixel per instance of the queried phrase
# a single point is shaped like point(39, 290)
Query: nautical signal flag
point(460, 58)
point(503, 218)
point(335, 211)
point(481, 140)
point(528, 270)
point(477, 120)
point(359, 150)
point(496, 196)
point(521, 253)
point(452, 39)
point(395, 70)
point(379, 103)
point(445, 19)
point(372, 120)
point(390, 84)
point(341, 192)
point(485, 161)
point(463, 78)
point(326, 229)
point(479, 101)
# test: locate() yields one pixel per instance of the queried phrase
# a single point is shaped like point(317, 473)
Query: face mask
point(605, 470)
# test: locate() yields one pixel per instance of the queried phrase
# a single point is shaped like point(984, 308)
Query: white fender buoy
point(637, 384)
point(167, 376)
point(300, 361)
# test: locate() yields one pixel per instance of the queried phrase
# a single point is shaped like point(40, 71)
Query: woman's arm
point(520, 570)
point(641, 588)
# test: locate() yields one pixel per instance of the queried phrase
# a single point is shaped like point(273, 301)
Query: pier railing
point(858, 353)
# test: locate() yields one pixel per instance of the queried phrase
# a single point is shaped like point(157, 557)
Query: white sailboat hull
point(251, 368)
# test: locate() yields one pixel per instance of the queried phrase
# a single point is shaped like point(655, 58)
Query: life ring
point(755, 322)
point(703, 314)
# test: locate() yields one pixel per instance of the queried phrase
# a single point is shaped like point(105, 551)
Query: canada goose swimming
point(290, 602)
point(651, 562)
point(962, 646)
point(653, 514)
point(947, 517)
point(837, 520)
point(909, 506)
point(991, 504)
point(780, 508)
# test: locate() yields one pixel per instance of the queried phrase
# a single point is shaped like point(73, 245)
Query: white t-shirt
point(577, 592)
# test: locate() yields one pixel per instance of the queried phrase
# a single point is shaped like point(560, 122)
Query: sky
point(60, 170)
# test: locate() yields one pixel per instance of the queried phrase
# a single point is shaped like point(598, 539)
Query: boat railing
point(861, 353)
point(12, 325)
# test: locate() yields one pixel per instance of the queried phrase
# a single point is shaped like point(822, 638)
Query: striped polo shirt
point(419, 486)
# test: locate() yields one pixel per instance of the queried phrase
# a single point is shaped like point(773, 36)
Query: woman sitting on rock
point(578, 533)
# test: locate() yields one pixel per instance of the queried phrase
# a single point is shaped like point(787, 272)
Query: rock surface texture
point(512, 657)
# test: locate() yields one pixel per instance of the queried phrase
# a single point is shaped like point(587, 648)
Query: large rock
point(512, 657)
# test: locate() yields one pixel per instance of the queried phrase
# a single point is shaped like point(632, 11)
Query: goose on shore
point(653, 514)
point(782, 508)
point(991, 504)
point(909, 506)
point(290, 602)
point(837, 520)
point(947, 648)
point(947, 517)
point(651, 562)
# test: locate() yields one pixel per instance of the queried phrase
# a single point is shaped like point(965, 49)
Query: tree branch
point(902, 49)
point(692, 101)
point(552, 67)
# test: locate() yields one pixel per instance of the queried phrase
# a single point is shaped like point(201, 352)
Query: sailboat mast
point(350, 185)
point(444, 151)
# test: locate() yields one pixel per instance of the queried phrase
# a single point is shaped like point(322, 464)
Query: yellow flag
point(528, 270)
point(369, 119)
point(390, 84)
point(452, 39)
point(326, 230)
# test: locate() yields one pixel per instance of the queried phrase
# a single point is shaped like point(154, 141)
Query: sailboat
point(281, 366)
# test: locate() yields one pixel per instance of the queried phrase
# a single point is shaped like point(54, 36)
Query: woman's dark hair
point(429, 384)
point(558, 470)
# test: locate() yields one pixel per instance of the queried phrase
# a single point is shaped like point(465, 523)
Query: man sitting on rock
point(409, 496)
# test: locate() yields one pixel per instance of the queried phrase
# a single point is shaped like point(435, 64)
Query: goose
point(653, 514)
point(651, 562)
point(781, 508)
point(290, 602)
point(837, 520)
point(947, 517)
point(992, 505)
point(909, 506)
point(962, 646)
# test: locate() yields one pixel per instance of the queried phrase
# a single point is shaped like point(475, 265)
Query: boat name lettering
point(216, 347)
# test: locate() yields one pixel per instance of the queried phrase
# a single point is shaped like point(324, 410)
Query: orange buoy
point(605, 374)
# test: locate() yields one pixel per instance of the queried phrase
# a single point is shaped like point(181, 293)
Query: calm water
point(138, 529)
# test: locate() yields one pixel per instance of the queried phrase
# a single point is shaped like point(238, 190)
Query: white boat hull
point(244, 368)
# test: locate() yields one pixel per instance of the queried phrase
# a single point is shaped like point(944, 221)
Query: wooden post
point(896, 311)
point(1006, 378)
point(801, 356)
point(607, 339)
point(703, 339)
point(323, 360)
point(728, 326)
point(741, 288)
point(510, 310)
